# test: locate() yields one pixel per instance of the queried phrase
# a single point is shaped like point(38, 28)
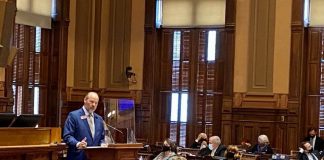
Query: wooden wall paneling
point(296, 61)
point(250, 123)
point(230, 15)
point(96, 47)
point(292, 140)
point(297, 18)
point(313, 78)
point(228, 75)
point(295, 119)
point(280, 137)
point(151, 75)
point(261, 49)
point(226, 127)
point(312, 112)
point(57, 64)
point(83, 44)
point(119, 43)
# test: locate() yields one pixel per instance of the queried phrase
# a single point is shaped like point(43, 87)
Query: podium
point(117, 151)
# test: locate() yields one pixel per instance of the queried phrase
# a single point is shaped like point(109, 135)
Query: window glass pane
point(36, 100)
point(174, 107)
point(38, 40)
point(158, 18)
point(19, 100)
point(184, 107)
point(14, 98)
point(176, 45)
point(183, 131)
point(173, 131)
point(306, 13)
point(321, 110)
point(211, 53)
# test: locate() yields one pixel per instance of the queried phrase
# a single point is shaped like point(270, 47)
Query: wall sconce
point(130, 75)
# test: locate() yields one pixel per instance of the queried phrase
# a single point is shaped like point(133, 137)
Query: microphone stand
point(114, 128)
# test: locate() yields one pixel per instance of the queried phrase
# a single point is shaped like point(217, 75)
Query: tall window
point(321, 114)
point(29, 70)
point(192, 88)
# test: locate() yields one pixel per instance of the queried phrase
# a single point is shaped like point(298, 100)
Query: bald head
point(91, 101)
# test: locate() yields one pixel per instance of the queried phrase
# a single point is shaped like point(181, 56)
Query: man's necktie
point(314, 157)
point(91, 124)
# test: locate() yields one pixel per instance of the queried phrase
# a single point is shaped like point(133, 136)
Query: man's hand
point(82, 144)
point(201, 136)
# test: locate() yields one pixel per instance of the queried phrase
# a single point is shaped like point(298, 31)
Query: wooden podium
point(117, 151)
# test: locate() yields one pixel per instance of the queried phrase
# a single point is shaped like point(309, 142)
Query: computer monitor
point(27, 120)
point(6, 119)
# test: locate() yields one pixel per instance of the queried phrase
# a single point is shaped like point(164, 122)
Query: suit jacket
point(219, 151)
point(77, 128)
point(303, 156)
point(195, 145)
point(256, 149)
point(318, 143)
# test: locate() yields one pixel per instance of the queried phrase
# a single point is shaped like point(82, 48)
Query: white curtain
point(34, 13)
point(316, 14)
point(192, 13)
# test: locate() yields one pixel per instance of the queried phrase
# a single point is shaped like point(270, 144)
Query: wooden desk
point(30, 143)
point(117, 151)
point(32, 152)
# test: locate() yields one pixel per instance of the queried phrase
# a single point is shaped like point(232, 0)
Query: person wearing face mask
point(314, 140)
point(263, 145)
point(83, 128)
point(202, 137)
point(169, 149)
point(215, 148)
point(306, 152)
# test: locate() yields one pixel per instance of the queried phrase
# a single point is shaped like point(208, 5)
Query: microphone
point(114, 128)
point(107, 125)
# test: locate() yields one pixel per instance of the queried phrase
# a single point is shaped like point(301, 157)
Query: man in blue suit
point(83, 128)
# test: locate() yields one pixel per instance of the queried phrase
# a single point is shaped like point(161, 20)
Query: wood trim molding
point(246, 100)
point(261, 46)
point(119, 43)
point(77, 94)
point(84, 42)
point(2, 89)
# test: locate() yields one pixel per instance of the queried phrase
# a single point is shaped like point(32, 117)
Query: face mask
point(210, 146)
point(165, 148)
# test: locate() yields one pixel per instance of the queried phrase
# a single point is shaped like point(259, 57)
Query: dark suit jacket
point(318, 143)
point(76, 128)
point(256, 149)
point(195, 145)
point(303, 156)
point(219, 151)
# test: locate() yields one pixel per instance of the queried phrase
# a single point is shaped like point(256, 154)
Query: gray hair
point(215, 140)
point(263, 139)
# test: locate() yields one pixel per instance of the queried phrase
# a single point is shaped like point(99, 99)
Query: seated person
point(201, 138)
point(316, 141)
point(245, 145)
point(169, 149)
point(263, 146)
point(306, 152)
point(215, 148)
point(232, 153)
